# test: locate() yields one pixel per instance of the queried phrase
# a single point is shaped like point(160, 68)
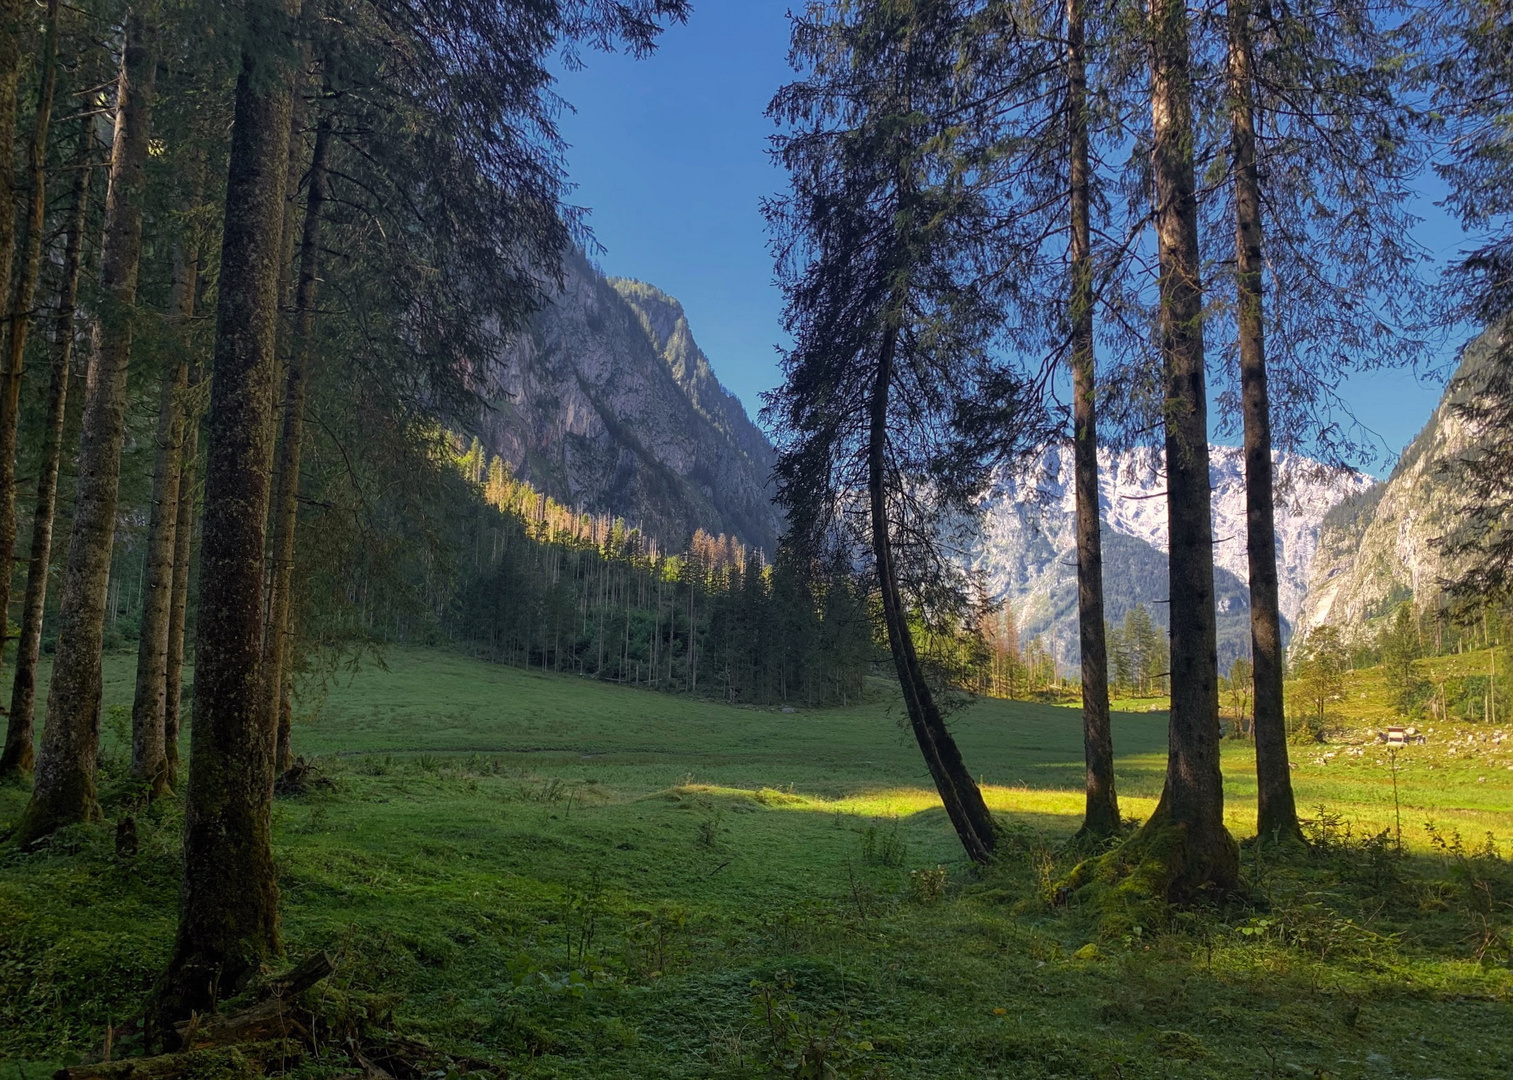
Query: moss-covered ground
point(578, 880)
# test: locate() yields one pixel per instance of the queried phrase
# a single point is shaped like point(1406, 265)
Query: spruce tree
point(892, 252)
point(64, 792)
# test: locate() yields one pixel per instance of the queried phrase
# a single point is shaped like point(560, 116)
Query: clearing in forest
point(573, 879)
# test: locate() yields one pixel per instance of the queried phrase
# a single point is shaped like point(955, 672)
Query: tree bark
point(228, 911)
point(183, 546)
point(286, 477)
point(149, 761)
point(17, 758)
point(65, 782)
point(959, 793)
point(1193, 799)
point(21, 308)
point(1101, 815)
point(1276, 808)
point(149, 734)
point(11, 25)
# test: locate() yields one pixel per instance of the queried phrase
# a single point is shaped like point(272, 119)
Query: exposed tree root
point(1135, 884)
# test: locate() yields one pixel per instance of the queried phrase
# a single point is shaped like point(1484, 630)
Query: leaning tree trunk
point(1276, 809)
point(228, 909)
point(1193, 800)
point(286, 478)
point(958, 791)
point(21, 309)
point(65, 784)
point(183, 540)
point(149, 736)
point(1101, 816)
point(17, 758)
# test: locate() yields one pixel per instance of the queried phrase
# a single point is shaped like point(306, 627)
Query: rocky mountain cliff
point(608, 404)
point(1377, 548)
point(1027, 553)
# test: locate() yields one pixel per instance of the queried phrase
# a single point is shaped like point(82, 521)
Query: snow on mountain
point(1026, 553)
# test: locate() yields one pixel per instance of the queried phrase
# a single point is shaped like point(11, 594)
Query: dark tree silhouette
point(894, 253)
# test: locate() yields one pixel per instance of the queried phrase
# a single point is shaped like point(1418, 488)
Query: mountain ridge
point(608, 404)
point(1380, 547)
point(1027, 551)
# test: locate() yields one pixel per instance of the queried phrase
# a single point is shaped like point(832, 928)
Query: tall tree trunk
point(1101, 816)
point(149, 761)
point(286, 476)
point(1276, 809)
point(21, 309)
point(65, 785)
point(228, 909)
point(963, 800)
point(11, 26)
point(17, 758)
point(1193, 800)
point(183, 540)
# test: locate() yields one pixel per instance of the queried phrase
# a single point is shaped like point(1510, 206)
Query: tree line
point(1402, 636)
point(1122, 224)
point(254, 254)
point(560, 590)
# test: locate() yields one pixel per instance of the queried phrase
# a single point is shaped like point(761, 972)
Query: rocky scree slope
point(608, 404)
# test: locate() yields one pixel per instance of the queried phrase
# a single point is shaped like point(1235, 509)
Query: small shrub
point(709, 828)
point(884, 847)
point(927, 886)
point(807, 1047)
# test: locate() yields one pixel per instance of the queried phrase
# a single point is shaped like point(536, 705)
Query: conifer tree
point(1316, 133)
point(12, 30)
point(278, 631)
point(1101, 812)
point(228, 905)
point(65, 777)
point(24, 294)
point(17, 758)
point(1186, 837)
point(891, 251)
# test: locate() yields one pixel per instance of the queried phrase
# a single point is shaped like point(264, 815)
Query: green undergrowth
point(562, 879)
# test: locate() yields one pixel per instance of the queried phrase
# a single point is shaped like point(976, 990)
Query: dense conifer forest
point(336, 747)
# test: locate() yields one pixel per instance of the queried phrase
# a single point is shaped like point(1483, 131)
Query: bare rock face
point(1378, 548)
point(1027, 553)
point(609, 405)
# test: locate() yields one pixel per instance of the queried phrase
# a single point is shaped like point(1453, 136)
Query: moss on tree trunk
point(228, 910)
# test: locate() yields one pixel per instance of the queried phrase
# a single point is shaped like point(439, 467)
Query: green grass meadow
point(569, 879)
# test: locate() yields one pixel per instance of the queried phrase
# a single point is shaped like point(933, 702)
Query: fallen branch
point(227, 1061)
point(268, 1019)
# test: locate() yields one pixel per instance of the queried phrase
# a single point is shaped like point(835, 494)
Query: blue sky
point(669, 156)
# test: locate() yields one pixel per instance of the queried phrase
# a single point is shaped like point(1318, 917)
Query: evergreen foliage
point(558, 590)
